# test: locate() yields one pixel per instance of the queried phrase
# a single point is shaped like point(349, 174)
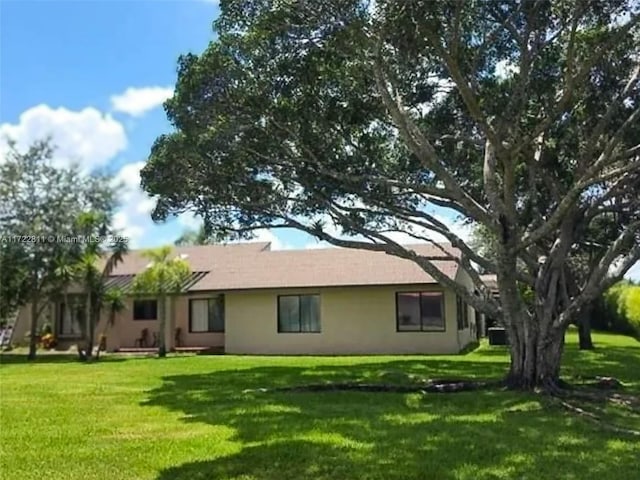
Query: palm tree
point(66, 272)
point(164, 277)
point(92, 277)
point(114, 300)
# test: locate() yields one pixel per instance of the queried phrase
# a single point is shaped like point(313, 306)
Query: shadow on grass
point(351, 435)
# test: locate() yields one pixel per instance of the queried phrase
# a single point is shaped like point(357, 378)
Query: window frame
point(299, 314)
point(422, 329)
point(59, 314)
point(207, 299)
point(133, 309)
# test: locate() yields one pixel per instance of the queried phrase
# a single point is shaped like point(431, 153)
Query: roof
point(329, 267)
point(200, 257)
point(490, 280)
point(125, 282)
point(254, 266)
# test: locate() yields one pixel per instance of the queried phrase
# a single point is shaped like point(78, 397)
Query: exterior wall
point(181, 316)
point(468, 335)
point(22, 325)
point(125, 330)
point(354, 320)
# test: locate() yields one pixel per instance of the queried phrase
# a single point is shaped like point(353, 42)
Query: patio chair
point(154, 343)
point(143, 340)
point(178, 337)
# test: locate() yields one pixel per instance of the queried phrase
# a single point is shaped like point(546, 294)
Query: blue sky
point(93, 74)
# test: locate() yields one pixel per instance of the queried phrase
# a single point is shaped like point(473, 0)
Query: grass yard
point(188, 418)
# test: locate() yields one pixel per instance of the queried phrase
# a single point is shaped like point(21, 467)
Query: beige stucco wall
point(467, 335)
point(126, 330)
point(22, 325)
point(354, 320)
point(189, 339)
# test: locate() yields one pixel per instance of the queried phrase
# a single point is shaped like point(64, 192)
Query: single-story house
point(247, 299)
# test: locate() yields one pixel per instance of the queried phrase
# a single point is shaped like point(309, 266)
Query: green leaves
point(164, 275)
point(282, 120)
point(46, 210)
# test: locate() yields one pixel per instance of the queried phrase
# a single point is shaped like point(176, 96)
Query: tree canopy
point(520, 116)
point(40, 205)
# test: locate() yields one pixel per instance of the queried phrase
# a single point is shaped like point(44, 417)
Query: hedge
point(619, 309)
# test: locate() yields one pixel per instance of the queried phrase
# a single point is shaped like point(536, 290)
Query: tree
point(484, 242)
point(39, 204)
point(114, 301)
point(193, 237)
point(102, 247)
point(164, 277)
point(519, 116)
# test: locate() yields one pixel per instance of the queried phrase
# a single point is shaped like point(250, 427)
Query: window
point(465, 315)
point(206, 315)
point(299, 314)
point(462, 313)
point(420, 311)
point(145, 309)
point(70, 322)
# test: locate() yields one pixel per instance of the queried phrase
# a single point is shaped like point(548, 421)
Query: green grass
point(187, 418)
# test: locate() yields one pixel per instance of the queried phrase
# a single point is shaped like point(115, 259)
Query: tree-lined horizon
point(520, 116)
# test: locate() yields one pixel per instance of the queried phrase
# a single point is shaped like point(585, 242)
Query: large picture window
point(145, 309)
point(420, 311)
point(72, 318)
point(206, 315)
point(299, 314)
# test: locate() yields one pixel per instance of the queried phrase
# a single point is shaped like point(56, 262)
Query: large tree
point(39, 206)
point(520, 116)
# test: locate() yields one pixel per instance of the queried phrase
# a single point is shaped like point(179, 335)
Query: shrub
point(619, 309)
point(632, 307)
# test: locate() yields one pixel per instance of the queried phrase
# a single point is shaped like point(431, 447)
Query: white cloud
point(87, 137)
point(133, 218)
point(138, 101)
point(264, 235)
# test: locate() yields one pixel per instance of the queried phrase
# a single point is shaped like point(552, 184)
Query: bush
point(619, 310)
point(632, 306)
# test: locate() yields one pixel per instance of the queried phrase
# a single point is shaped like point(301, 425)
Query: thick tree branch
point(423, 149)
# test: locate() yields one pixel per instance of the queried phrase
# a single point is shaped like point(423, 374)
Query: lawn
point(191, 418)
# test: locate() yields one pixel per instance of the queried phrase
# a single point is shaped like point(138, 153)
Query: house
point(247, 299)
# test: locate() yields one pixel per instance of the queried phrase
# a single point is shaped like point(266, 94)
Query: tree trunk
point(92, 333)
point(536, 355)
point(584, 331)
point(88, 330)
point(33, 341)
point(162, 347)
